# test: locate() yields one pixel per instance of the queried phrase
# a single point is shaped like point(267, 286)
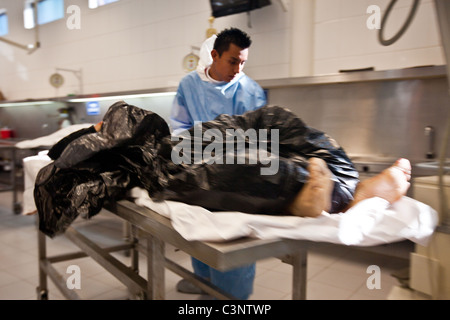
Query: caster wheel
point(141, 296)
point(42, 294)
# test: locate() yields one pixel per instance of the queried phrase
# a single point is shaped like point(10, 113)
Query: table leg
point(42, 290)
point(134, 239)
point(299, 281)
point(17, 208)
point(156, 267)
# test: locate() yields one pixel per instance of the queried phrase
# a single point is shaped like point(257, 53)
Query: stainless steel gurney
point(156, 230)
point(150, 232)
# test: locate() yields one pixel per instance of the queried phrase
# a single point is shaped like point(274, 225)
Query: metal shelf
point(425, 72)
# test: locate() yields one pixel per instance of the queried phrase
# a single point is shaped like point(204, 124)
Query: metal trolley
point(9, 148)
point(149, 233)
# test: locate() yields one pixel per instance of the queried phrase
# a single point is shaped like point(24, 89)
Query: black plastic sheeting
point(135, 149)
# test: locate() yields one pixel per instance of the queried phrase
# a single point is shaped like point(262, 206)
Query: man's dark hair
point(234, 36)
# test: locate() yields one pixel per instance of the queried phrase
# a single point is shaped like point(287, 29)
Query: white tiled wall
point(343, 40)
point(140, 44)
point(130, 45)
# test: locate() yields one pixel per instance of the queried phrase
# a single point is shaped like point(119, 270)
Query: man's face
point(231, 63)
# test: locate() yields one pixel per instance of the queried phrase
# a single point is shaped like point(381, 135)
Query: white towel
point(51, 139)
point(369, 223)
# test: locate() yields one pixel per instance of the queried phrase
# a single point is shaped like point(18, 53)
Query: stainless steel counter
point(425, 72)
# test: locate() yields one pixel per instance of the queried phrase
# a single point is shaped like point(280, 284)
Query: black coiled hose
point(408, 21)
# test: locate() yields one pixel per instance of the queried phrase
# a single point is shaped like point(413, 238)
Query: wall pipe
point(443, 14)
point(30, 47)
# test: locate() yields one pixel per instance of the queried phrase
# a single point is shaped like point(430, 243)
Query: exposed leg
point(315, 196)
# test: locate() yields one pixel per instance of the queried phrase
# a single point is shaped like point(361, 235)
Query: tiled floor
point(334, 272)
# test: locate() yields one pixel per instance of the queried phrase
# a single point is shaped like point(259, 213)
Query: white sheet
point(31, 167)
point(50, 140)
point(369, 223)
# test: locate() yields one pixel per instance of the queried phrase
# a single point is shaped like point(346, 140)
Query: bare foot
point(315, 196)
point(391, 184)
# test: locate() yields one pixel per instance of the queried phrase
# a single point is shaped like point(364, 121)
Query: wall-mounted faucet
point(430, 133)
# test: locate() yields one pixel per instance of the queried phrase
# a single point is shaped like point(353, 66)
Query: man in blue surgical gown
point(218, 86)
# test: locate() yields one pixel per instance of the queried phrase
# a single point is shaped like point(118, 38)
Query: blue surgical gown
point(200, 100)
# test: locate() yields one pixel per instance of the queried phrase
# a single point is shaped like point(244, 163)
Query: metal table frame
point(16, 206)
point(150, 228)
point(16, 156)
point(156, 230)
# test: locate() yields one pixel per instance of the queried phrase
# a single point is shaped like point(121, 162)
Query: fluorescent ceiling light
point(122, 97)
point(22, 104)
